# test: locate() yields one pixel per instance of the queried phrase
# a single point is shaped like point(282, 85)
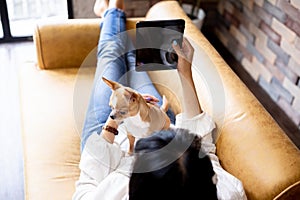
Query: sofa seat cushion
point(51, 134)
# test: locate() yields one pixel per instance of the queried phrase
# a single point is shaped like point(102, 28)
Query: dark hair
point(168, 166)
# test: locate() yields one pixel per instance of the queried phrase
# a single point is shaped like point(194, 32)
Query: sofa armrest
point(66, 44)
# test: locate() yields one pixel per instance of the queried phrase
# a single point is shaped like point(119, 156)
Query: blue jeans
point(115, 61)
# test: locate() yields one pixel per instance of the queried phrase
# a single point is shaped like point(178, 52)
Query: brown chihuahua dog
point(139, 117)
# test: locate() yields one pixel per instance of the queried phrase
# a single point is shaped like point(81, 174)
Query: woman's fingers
point(187, 50)
point(177, 49)
point(150, 98)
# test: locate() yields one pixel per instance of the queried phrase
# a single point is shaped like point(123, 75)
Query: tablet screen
point(154, 39)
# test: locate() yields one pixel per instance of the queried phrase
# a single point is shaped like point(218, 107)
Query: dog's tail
point(165, 104)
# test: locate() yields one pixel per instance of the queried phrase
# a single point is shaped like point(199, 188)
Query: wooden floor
point(11, 155)
point(282, 119)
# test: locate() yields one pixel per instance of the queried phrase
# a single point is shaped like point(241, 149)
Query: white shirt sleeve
point(99, 158)
point(228, 186)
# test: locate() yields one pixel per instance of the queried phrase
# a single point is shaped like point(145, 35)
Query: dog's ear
point(112, 84)
point(131, 95)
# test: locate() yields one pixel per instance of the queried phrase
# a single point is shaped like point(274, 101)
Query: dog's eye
point(123, 112)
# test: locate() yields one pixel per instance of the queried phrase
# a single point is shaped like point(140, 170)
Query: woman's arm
point(228, 186)
point(191, 105)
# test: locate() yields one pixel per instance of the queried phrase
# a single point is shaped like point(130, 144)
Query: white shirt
point(106, 168)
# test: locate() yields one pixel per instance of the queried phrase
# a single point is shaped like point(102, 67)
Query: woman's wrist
point(191, 104)
point(110, 130)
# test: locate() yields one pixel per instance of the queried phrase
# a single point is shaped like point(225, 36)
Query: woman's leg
point(110, 64)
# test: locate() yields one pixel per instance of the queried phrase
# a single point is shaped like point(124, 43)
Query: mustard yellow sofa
point(55, 92)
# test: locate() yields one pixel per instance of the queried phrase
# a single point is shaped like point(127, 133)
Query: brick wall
point(264, 36)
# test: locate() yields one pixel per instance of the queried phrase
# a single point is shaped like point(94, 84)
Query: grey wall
point(83, 8)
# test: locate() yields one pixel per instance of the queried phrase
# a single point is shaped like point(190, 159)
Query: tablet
point(154, 39)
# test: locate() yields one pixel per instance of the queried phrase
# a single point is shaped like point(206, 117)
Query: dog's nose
point(112, 116)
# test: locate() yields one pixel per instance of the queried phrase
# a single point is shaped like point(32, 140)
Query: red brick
point(274, 70)
point(245, 52)
point(263, 71)
point(266, 17)
point(281, 54)
point(287, 108)
point(241, 16)
point(248, 3)
point(290, 10)
point(261, 44)
point(270, 32)
point(291, 87)
point(230, 18)
point(283, 30)
point(238, 35)
point(283, 92)
point(289, 74)
point(250, 68)
point(252, 16)
point(274, 11)
point(290, 49)
point(293, 25)
point(272, 92)
point(248, 35)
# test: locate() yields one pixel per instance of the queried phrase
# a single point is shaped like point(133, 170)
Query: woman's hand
point(185, 57)
point(150, 99)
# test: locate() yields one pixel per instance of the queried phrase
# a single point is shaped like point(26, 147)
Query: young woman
point(179, 163)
